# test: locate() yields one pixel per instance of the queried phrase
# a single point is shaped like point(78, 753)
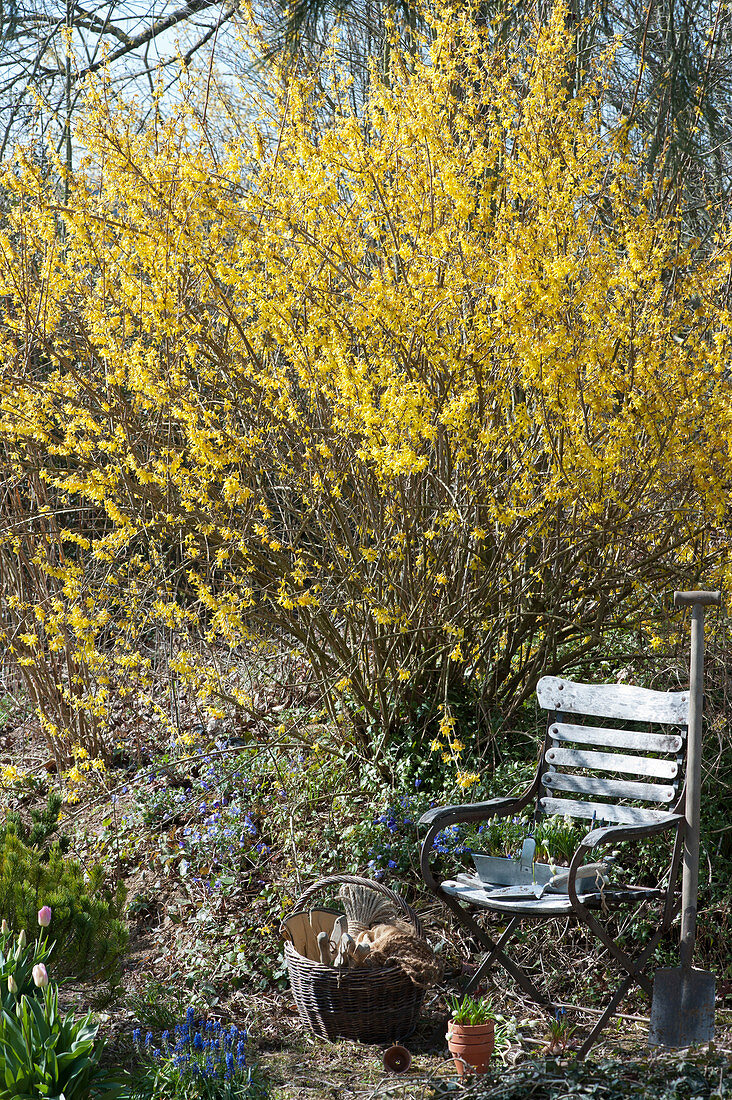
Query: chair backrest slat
point(601, 811)
point(608, 773)
point(612, 762)
point(616, 739)
point(608, 788)
point(613, 701)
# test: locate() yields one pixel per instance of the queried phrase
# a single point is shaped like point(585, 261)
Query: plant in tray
point(556, 838)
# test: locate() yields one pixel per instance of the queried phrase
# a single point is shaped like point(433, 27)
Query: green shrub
point(87, 931)
point(43, 1053)
point(43, 829)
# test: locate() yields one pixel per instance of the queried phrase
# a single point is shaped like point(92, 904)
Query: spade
point(682, 1009)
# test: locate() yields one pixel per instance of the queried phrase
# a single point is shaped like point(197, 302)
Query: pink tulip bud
point(44, 916)
point(40, 975)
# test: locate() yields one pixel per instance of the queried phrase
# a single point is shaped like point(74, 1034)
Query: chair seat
point(469, 889)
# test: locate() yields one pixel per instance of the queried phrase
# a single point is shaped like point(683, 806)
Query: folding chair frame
point(579, 906)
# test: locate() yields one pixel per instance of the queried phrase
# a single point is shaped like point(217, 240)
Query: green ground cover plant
point(604, 1079)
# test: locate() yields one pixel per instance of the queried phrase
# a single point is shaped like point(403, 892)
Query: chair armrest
point(610, 833)
point(607, 835)
point(441, 816)
point(472, 811)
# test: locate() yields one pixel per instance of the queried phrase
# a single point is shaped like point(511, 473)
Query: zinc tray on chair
point(625, 782)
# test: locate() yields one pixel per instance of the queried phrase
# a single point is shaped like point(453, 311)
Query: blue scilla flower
point(391, 865)
point(137, 1036)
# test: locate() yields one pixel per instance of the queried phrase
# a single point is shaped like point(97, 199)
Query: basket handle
point(355, 880)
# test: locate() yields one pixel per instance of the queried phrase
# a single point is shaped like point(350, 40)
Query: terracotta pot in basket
point(375, 1004)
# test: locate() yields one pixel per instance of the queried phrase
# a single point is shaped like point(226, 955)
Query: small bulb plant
point(560, 1033)
point(470, 1011)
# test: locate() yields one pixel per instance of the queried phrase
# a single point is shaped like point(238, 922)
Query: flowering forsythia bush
point(432, 395)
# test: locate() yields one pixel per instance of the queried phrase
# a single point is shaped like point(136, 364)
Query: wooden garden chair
point(624, 783)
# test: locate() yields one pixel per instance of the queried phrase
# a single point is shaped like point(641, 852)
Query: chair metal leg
point(488, 959)
point(608, 1012)
point(634, 967)
point(519, 976)
point(620, 992)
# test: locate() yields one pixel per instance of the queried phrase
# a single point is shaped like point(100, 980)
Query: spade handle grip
point(687, 599)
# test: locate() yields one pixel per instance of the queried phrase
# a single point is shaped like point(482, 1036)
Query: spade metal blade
point(682, 1010)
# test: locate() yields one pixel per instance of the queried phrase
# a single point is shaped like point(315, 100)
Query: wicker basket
point(373, 1004)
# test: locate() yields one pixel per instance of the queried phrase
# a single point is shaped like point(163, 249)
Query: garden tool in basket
point(682, 1009)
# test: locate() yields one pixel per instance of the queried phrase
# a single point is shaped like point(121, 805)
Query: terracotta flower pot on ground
point(471, 1046)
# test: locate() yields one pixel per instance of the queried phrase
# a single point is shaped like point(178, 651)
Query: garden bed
point(215, 839)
